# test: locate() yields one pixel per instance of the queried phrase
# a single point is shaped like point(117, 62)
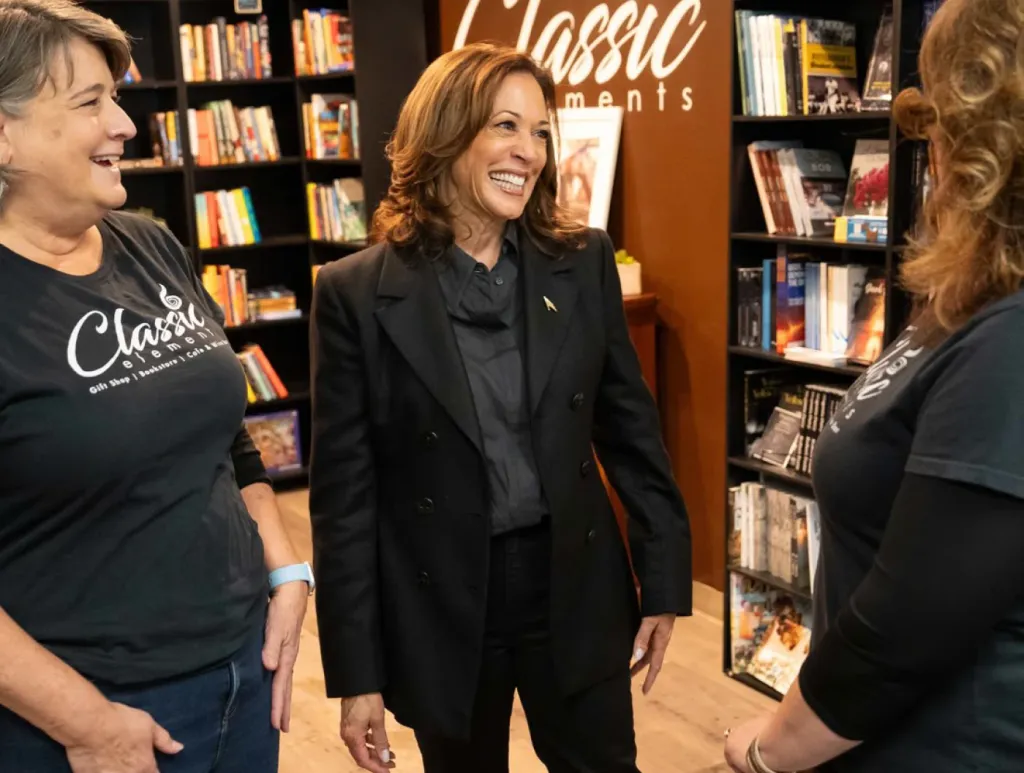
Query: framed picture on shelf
point(248, 6)
point(588, 151)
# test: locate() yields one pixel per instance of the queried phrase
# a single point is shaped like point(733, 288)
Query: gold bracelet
point(754, 758)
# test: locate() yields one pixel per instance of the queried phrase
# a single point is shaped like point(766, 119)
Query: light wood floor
point(679, 725)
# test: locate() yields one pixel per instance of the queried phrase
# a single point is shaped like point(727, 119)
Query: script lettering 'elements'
point(570, 49)
point(175, 324)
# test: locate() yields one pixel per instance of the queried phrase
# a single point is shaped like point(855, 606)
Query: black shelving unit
point(390, 52)
point(750, 244)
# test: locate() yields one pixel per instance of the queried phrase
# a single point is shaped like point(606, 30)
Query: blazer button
point(423, 578)
point(425, 506)
point(430, 439)
point(591, 534)
point(577, 401)
point(585, 468)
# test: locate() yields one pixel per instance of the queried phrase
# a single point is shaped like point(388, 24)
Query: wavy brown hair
point(969, 249)
point(449, 105)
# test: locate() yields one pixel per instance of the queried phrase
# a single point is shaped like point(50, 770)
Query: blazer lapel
point(417, 322)
point(549, 299)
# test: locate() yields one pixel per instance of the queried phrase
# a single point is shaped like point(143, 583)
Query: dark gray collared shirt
point(485, 308)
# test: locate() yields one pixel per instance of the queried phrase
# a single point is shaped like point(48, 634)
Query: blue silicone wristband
point(289, 573)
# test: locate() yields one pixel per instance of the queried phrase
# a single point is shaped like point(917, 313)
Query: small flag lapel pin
point(550, 305)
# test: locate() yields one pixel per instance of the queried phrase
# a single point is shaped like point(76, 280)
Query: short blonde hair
point(32, 35)
point(970, 249)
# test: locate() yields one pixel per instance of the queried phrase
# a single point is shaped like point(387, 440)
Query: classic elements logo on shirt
point(877, 378)
point(154, 344)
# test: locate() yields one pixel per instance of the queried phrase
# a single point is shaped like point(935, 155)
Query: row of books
point(774, 531)
point(785, 418)
point(164, 142)
point(277, 438)
point(330, 126)
point(791, 65)
point(806, 192)
point(770, 631)
point(337, 211)
point(322, 42)
point(221, 51)
point(221, 133)
point(812, 310)
point(226, 218)
point(229, 288)
point(263, 382)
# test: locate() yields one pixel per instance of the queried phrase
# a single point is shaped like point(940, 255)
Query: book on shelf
point(276, 436)
point(164, 142)
point(769, 534)
point(878, 81)
point(132, 74)
point(807, 309)
point(865, 213)
point(790, 65)
point(262, 380)
point(330, 126)
point(226, 218)
point(337, 211)
point(221, 133)
point(801, 190)
point(322, 42)
point(770, 631)
point(784, 416)
point(220, 51)
point(763, 390)
point(229, 288)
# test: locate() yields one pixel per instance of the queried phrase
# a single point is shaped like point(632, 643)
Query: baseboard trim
point(708, 600)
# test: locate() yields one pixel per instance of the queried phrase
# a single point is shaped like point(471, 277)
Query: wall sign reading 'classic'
point(631, 40)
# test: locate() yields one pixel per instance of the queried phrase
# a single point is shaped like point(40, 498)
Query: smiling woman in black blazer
point(466, 368)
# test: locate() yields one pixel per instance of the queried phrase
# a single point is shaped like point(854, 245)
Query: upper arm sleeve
point(627, 440)
point(971, 426)
point(343, 500)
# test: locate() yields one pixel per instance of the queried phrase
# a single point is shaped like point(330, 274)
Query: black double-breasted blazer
point(399, 493)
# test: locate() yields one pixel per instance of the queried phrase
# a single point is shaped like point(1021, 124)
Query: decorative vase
point(629, 278)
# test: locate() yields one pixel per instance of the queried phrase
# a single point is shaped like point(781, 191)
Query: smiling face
point(66, 142)
point(495, 177)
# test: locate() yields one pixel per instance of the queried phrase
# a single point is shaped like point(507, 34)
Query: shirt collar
point(460, 265)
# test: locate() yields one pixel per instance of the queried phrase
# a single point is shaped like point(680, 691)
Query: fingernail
point(385, 755)
point(178, 746)
point(639, 653)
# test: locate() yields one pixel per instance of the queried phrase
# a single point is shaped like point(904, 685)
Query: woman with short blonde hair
point(917, 659)
point(137, 524)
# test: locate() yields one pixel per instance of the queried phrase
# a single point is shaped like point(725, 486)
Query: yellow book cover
point(829, 63)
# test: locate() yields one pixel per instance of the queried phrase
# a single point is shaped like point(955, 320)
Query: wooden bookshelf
point(389, 47)
point(750, 243)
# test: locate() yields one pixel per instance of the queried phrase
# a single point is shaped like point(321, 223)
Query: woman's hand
point(738, 741)
point(362, 730)
point(122, 741)
point(650, 645)
point(281, 646)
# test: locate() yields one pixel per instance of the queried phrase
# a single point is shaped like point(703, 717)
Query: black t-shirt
point(953, 412)
point(125, 546)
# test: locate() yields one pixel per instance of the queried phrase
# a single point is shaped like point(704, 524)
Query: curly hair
point(449, 105)
point(969, 249)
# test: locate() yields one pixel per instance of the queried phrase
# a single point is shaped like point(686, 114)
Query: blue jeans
point(222, 716)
